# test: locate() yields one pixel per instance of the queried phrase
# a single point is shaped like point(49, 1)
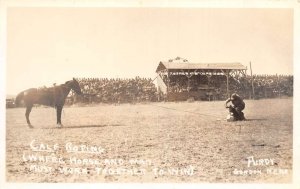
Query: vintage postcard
point(149, 92)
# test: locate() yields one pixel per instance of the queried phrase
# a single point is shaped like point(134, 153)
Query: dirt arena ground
point(155, 142)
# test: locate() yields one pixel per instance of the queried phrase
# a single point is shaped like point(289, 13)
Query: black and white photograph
point(149, 93)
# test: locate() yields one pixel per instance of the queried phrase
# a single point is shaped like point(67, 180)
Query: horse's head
point(74, 85)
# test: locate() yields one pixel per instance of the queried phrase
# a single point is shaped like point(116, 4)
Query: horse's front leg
point(28, 110)
point(58, 114)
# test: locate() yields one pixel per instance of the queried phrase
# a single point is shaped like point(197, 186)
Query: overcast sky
point(47, 45)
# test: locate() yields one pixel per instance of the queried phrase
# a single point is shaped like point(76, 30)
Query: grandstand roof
point(199, 66)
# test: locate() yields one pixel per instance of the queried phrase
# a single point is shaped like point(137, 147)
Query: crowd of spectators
point(265, 86)
point(104, 90)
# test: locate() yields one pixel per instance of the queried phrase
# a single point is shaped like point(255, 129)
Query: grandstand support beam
point(226, 73)
point(188, 74)
point(168, 82)
point(208, 79)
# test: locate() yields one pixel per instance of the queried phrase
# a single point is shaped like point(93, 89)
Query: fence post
point(252, 81)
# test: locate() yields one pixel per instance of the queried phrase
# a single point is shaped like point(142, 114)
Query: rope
point(197, 113)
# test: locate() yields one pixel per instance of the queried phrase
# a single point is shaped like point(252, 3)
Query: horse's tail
point(19, 98)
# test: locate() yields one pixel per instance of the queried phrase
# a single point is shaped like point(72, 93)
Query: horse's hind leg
point(58, 114)
point(28, 110)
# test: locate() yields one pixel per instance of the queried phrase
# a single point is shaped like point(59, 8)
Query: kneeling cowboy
point(237, 108)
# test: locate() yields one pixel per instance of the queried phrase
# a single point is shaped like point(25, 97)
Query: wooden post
point(158, 87)
point(252, 81)
point(188, 75)
point(188, 86)
point(168, 84)
point(227, 82)
point(208, 93)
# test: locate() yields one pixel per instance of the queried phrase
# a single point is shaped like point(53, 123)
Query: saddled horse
point(52, 96)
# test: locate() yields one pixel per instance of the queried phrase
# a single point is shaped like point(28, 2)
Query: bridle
point(67, 85)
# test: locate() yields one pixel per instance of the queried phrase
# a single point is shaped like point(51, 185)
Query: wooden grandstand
point(172, 72)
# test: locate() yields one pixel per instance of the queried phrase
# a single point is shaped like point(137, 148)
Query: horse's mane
point(44, 88)
point(67, 82)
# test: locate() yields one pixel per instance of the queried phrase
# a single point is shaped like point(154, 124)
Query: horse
point(53, 96)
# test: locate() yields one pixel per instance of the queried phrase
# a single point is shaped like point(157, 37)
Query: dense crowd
point(104, 90)
point(135, 90)
point(273, 85)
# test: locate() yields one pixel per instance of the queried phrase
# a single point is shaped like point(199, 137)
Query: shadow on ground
point(84, 126)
